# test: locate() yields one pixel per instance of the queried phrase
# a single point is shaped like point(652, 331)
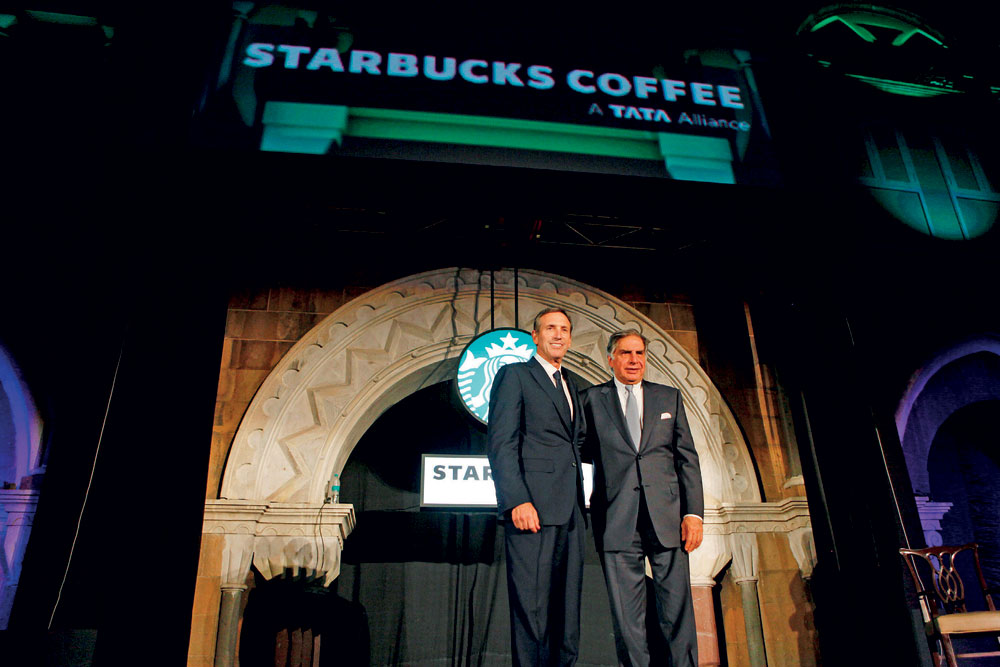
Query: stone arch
point(333, 384)
point(962, 375)
point(919, 379)
point(21, 455)
point(927, 402)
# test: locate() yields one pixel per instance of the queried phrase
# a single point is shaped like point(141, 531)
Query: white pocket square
point(665, 415)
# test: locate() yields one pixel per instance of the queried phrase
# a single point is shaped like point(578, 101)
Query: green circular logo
point(481, 360)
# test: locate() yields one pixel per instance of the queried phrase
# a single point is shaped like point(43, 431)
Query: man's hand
point(525, 517)
point(692, 532)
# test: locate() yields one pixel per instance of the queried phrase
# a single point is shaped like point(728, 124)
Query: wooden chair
point(943, 602)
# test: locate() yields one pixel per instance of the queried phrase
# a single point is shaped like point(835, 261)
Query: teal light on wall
point(295, 127)
point(936, 185)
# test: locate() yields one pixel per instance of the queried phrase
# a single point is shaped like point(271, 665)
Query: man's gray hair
point(546, 311)
point(624, 333)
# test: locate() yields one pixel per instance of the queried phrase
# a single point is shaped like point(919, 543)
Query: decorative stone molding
point(782, 516)
point(931, 514)
point(708, 560)
point(237, 554)
point(729, 520)
point(745, 556)
point(293, 539)
point(803, 549)
point(334, 383)
point(794, 480)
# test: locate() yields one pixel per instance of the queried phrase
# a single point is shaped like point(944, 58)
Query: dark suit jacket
point(533, 445)
point(665, 465)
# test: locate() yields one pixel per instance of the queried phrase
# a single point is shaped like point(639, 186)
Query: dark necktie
point(557, 376)
point(632, 416)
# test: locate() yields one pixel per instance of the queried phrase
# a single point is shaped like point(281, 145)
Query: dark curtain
point(434, 588)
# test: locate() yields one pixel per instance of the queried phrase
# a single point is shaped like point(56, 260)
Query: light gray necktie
point(632, 416)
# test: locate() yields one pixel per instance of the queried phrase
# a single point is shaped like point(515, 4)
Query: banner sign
point(684, 114)
point(467, 481)
point(711, 100)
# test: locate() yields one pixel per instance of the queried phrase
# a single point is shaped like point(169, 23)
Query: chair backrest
point(947, 591)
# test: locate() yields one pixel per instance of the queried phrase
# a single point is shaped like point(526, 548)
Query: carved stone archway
point(333, 384)
point(318, 402)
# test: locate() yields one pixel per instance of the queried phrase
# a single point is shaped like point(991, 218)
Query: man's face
point(629, 360)
point(552, 337)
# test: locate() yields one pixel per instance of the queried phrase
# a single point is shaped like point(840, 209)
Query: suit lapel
point(556, 396)
point(649, 414)
point(614, 407)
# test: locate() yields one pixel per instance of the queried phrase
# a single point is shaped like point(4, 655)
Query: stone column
point(236, 557)
point(706, 562)
point(745, 555)
point(17, 513)
point(302, 539)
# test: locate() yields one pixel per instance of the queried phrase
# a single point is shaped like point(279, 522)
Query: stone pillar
point(302, 539)
point(706, 562)
point(17, 513)
point(236, 557)
point(745, 568)
point(931, 515)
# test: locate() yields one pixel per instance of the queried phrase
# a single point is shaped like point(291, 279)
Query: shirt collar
point(620, 386)
point(549, 368)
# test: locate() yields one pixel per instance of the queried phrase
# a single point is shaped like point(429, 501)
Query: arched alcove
point(313, 408)
point(20, 437)
point(964, 468)
point(20, 459)
point(965, 374)
point(960, 376)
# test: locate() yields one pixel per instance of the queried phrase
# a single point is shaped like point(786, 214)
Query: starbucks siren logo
point(480, 362)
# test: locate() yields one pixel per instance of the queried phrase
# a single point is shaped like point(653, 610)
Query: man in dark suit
point(647, 502)
point(535, 431)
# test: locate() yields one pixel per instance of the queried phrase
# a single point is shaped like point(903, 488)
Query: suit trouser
point(625, 576)
point(544, 582)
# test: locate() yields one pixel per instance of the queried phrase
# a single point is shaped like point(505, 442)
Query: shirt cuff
point(695, 516)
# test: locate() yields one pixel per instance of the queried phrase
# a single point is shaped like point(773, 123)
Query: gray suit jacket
point(665, 466)
point(533, 444)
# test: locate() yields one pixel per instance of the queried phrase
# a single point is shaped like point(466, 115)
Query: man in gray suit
point(535, 431)
point(647, 502)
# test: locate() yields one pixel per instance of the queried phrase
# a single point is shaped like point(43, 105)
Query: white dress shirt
point(623, 397)
point(550, 371)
